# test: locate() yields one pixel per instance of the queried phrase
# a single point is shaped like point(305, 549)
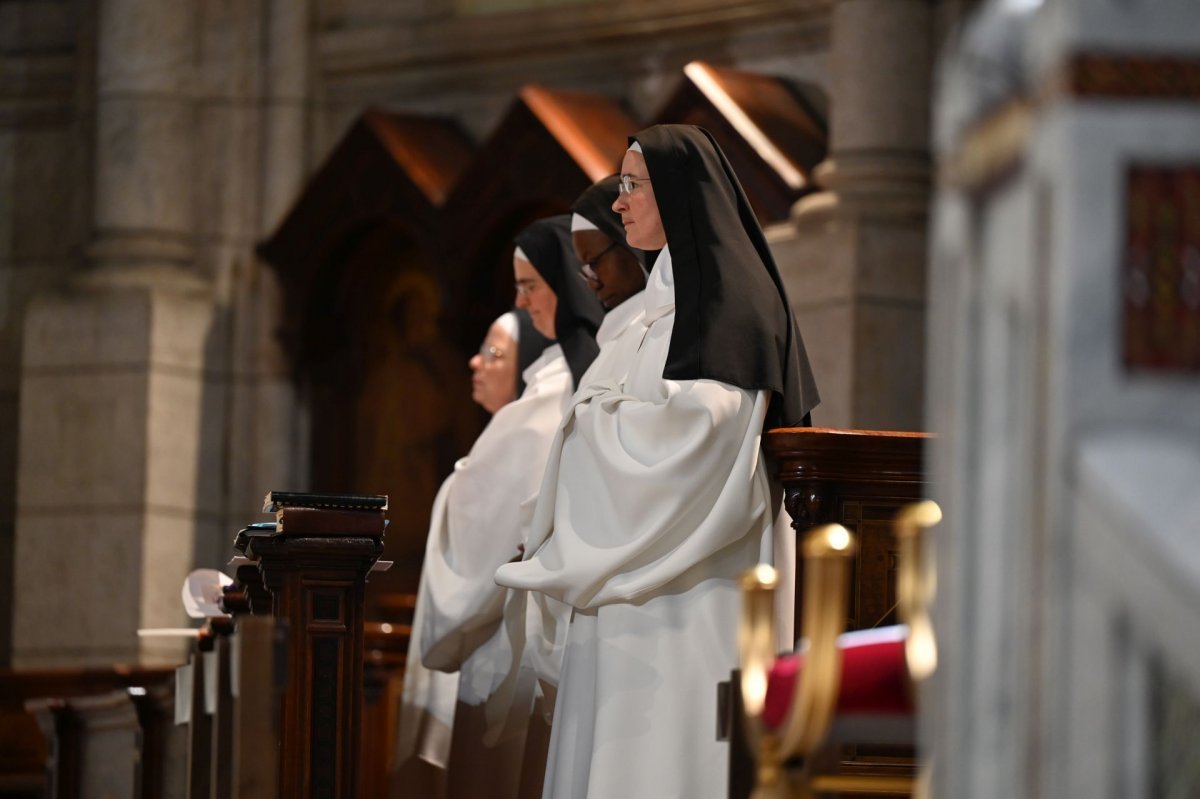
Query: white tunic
point(655, 500)
point(476, 524)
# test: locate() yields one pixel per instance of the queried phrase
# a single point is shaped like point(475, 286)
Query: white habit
point(655, 500)
point(477, 523)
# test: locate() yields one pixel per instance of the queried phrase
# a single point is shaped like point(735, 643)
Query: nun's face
point(615, 274)
point(494, 370)
point(535, 295)
point(638, 208)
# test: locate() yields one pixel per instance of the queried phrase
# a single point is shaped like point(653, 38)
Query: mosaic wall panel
point(1161, 272)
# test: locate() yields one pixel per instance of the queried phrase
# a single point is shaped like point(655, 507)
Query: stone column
point(265, 413)
point(854, 262)
point(113, 469)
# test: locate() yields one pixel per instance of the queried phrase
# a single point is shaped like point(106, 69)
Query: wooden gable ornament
point(772, 130)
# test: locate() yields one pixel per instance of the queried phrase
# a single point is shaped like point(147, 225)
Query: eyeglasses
point(490, 353)
point(587, 270)
point(629, 183)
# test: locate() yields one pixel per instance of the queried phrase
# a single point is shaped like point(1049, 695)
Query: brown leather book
point(323, 521)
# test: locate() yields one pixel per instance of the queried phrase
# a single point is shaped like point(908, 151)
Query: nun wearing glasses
point(614, 271)
point(510, 347)
point(656, 495)
point(480, 512)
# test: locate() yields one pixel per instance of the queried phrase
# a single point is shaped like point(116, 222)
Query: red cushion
point(874, 676)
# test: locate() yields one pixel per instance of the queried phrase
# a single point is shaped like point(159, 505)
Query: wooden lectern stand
point(859, 479)
point(314, 562)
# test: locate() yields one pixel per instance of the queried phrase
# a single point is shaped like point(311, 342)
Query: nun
point(562, 308)
point(656, 495)
point(510, 347)
point(480, 514)
point(612, 269)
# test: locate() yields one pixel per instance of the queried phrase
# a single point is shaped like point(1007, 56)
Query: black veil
point(547, 244)
point(733, 321)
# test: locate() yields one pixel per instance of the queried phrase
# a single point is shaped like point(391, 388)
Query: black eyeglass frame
point(587, 269)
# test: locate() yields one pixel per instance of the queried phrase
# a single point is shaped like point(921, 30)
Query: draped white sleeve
point(480, 522)
point(652, 478)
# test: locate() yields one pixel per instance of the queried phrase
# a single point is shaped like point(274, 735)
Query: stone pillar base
point(118, 479)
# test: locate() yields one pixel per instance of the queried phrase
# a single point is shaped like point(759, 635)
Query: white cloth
point(427, 702)
point(580, 222)
point(655, 500)
point(536, 626)
point(509, 324)
point(476, 525)
point(613, 360)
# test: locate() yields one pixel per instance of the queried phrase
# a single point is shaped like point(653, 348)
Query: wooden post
point(163, 751)
point(94, 743)
point(199, 774)
point(256, 687)
point(315, 565)
point(221, 772)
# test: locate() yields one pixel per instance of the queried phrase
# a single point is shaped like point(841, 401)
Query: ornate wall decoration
point(1161, 270)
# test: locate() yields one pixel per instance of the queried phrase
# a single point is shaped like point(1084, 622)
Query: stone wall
point(46, 142)
point(154, 405)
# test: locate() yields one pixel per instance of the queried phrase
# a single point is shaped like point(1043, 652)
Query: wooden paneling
point(859, 479)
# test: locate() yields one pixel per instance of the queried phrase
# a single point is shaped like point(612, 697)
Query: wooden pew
point(284, 714)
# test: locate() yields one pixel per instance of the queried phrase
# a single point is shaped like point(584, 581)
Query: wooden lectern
point(314, 562)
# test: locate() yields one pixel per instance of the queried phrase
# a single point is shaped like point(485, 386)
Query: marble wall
point(1060, 463)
